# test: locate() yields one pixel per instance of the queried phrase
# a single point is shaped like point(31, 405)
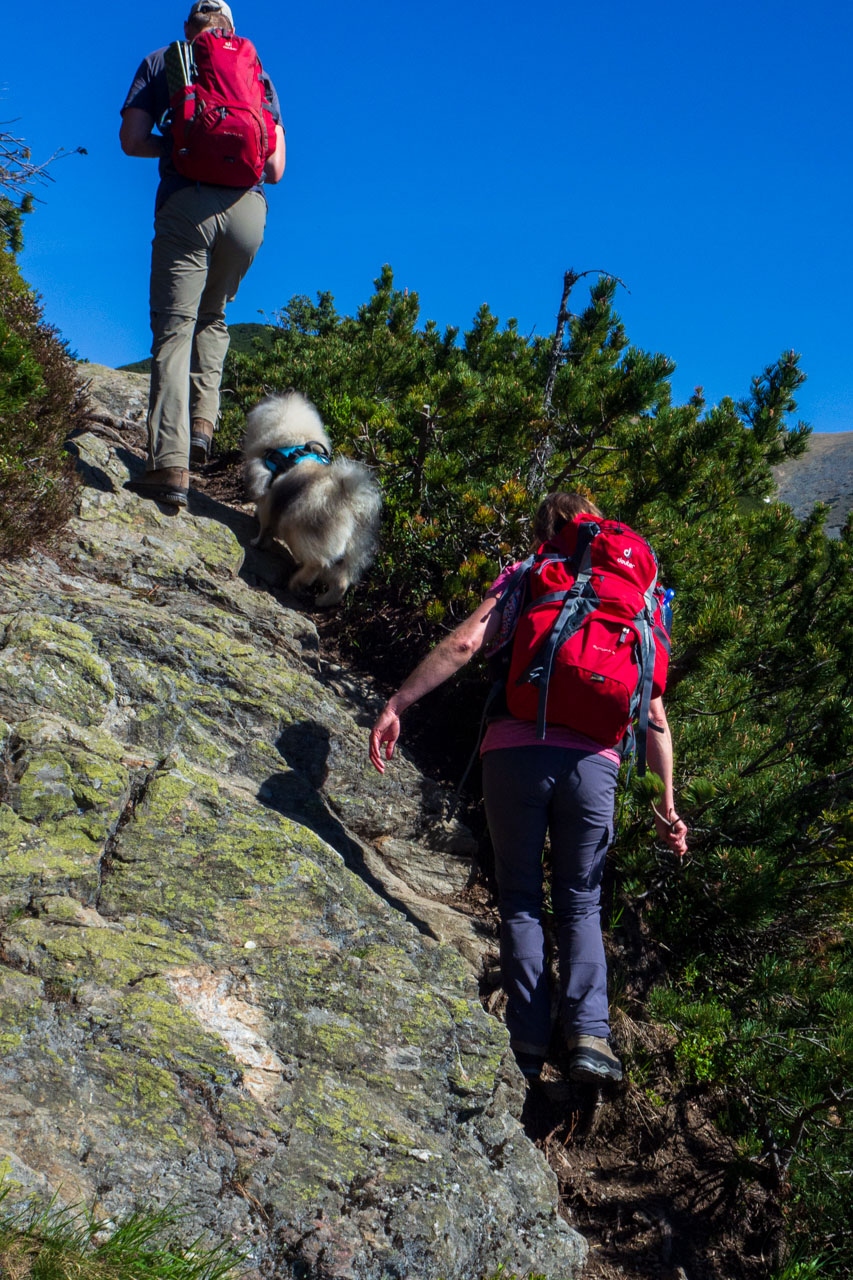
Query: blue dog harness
point(279, 461)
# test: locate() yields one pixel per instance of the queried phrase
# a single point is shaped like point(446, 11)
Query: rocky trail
point(239, 971)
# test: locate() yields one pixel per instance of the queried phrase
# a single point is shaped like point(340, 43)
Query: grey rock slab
point(824, 473)
point(225, 977)
point(117, 392)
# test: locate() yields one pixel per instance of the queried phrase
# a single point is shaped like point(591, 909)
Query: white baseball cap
point(211, 6)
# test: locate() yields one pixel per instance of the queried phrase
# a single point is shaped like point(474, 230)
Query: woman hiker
point(565, 786)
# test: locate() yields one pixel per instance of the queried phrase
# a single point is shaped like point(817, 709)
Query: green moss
point(112, 957)
point(148, 1099)
point(61, 780)
point(102, 511)
point(239, 1110)
point(55, 664)
point(21, 1007)
point(60, 908)
point(81, 836)
point(208, 663)
point(207, 856)
point(44, 858)
point(202, 740)
point(39, 731)
point(336, 1124)
point(474, 1073)
point(201, 690)
point(14, 833)
point(423, 1017)
point(10, 1040)
point(150, 926)
point(150, 1023)
point(387, 958)
point(216, 546)
point(337, 1035)
point(67, 801)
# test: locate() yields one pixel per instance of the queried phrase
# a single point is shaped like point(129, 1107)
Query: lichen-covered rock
point(123, 395)
point(222, 980)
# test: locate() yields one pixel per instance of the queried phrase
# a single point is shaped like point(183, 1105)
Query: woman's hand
point(457, 648)
point(385, 733)
point(672, 830)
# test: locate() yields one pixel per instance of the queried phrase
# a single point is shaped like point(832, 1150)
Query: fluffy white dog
point(326, 511)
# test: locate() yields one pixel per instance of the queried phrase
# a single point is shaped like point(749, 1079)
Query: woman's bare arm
point(452, 653)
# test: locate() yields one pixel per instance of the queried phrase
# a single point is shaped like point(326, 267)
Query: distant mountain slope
point(824, 473)
point(242, 339)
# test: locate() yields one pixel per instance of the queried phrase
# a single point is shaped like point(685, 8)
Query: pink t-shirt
point(511, 732)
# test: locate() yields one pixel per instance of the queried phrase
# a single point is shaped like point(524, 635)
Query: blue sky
point(700, 152)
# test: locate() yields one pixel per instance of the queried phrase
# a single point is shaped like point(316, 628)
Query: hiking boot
point(591, 1060)
point(529, 1064)
point(201, 438)
point(166, 484)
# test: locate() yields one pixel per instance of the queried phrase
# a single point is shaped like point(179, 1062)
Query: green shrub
point(466, 430)
point(39, 404)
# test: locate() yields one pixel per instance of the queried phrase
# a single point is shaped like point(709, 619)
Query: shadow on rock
point(260, 567)
point(304, 747)
point(95, 477)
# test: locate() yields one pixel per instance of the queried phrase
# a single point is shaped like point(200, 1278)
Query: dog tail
point(357, 489)
point(361, 498)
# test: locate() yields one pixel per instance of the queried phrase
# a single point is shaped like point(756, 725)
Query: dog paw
point(329, 598)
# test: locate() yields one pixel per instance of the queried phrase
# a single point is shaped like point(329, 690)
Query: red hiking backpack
point(222, 130)
point(590, 648)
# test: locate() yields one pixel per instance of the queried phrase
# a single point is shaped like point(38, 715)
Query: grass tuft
point(48, 1243)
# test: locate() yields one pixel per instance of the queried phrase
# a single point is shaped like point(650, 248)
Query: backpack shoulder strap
point(512, 593)
point(513, 581)
point(648, 641)
point(578, 603)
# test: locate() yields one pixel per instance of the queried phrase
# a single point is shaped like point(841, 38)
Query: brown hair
point(204, 21)
point(558, 509)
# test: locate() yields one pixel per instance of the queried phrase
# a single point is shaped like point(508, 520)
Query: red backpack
point(222, 130)
point(590, 648)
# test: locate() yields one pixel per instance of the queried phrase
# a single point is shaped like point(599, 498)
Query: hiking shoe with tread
point(169, 485)
point(591, 1060)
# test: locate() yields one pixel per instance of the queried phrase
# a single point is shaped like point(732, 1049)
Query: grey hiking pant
point(205, 239)
point(530, 791)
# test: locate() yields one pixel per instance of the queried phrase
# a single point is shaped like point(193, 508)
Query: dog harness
point(279, 461)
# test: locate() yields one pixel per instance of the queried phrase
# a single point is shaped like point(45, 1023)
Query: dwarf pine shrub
point(467, 430)
point(39, 403)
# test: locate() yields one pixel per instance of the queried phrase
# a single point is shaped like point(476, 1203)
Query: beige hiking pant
point(205, 239)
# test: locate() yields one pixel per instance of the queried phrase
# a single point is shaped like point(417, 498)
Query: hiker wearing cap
point(543, 780)
point(206, 110)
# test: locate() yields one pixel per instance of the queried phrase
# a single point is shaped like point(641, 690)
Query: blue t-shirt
point(150, 93)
